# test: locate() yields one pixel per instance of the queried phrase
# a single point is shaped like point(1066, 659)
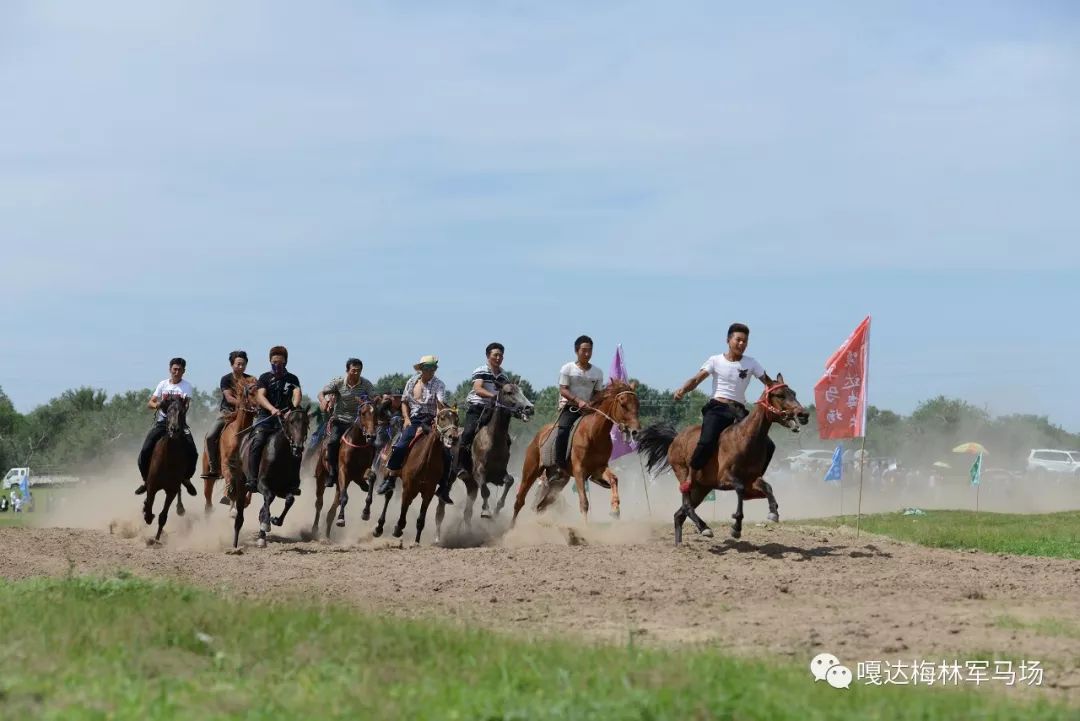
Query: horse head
point(245, 391)
point(624, 407)
point(781, 405)
point(446, 426)
point(513, 399)
point(295, 425)
point(366, 420)
point(175, 410)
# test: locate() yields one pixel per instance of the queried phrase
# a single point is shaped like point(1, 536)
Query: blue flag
point(836, 467)
point(24, 486)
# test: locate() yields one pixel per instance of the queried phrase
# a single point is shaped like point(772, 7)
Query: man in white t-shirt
point(172, 387)
point(731, 373)
point(579, 382)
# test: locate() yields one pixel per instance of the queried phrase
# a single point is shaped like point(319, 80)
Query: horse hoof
point(340, 523)
point(365, 516)
point(377, 532)
point(707, 532)
point(399, 532)
point(232, 513)
point(149, 518)
point(773, 518)
point(264, 527)
point(736, 533)
point(260, 543)
point(180, 511)
point(224, 500)
point(486, 514)
point(152, 542)
point(616, 513)
point(276, 520)
point(235, 552)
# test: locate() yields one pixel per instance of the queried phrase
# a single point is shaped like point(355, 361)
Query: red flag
point(840, 395)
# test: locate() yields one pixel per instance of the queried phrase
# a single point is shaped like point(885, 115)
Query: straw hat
point(428, 360)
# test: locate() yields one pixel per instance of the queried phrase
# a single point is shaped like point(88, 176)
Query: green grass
point(1052, 627)
point(119, 648)
point(1050, 534)
point(43, 498)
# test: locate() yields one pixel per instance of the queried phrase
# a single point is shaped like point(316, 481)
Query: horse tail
point(653, 442)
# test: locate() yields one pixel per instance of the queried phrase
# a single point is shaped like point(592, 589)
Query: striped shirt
point(492, 382)
point(434, 390)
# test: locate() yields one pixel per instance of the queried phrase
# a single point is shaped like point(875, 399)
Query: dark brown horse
point(739, 461)
point(279, 471)
point(491, 454)
point(389, 425)
point(616, 405)
point(425, 465)
point(354, 460)
point(238, 421)
point(168, 463)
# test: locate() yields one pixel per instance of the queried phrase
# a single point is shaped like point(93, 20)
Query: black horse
point(279, 470)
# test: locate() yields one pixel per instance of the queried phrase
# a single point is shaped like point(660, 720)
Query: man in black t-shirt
point(276, 391)
point(238, 359)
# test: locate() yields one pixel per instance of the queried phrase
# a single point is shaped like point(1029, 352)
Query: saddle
point(547, 448)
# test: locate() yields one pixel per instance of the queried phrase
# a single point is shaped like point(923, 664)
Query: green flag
point(976, 470)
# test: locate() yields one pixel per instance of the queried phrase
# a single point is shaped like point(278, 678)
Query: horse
point(280, 471)
point(389, 426)
point(491, 454)
point(739, 461)
point(168, 464)
point(354, 461)
point(422, 470)
point(229, 442)
point(615, 406)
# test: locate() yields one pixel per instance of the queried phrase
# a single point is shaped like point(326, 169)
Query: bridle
point(596, 409)
point(778, 415)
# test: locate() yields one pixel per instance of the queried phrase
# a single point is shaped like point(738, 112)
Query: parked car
point(1047, 461)
point(14, 478)
point(806, 461)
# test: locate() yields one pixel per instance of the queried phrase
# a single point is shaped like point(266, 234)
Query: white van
point(1045, 461)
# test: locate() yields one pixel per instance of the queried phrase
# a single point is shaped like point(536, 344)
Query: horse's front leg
point(382, 516)
point(264, 520)
point(763, 486)
point(485, 494)
point(344, 488)
point(180, 510)
point(279, 520)
point(208, 494)
point(472, 489)
point(740, 492)
point(580, 477)
point(613, 480)
point(165, 513)
point(508, 483)
point(148, 506)
point(318, 506)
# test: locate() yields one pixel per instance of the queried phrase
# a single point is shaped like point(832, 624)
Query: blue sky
point(391, 179)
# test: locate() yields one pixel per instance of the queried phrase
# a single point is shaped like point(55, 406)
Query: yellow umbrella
point(970, 448)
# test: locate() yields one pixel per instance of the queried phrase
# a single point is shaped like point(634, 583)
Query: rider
point(423, 398)
point(276, 391)
point(731, 373)
point(579, 382)
point(487, 380)
point(343, 395)
point(172, 387)
point(238, 359)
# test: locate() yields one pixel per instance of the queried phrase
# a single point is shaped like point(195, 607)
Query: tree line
point(84, 429)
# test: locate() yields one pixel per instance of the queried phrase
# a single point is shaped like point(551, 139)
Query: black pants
point(259, 437)
point(157, 432)
point(716, 417)
point(213, 447)
point(475, 417)
point(337, 429)
point(565, 422)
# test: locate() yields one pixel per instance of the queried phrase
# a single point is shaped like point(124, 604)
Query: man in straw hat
point(424, 396)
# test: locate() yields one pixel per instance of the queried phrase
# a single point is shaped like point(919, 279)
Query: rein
point(780, 415)
point(596, 409)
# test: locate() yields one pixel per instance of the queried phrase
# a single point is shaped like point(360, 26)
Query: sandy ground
point(784, 589)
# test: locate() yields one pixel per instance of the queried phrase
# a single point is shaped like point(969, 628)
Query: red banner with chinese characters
point(840, 395)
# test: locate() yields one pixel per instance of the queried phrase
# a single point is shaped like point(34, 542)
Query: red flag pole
point(866, 408)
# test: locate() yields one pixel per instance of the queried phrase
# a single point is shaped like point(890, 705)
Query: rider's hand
point(327, 405)
point(276, 412)
point(679, 394)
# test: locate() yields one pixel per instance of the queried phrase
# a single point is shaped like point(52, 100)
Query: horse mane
point(612, 389)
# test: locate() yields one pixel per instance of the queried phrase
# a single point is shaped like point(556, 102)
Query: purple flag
point(619, 447)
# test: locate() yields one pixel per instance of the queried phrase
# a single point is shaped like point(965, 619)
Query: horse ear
point(779, 377)
point(633, 385)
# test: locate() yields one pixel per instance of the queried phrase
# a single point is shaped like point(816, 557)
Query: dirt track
point(787, 589)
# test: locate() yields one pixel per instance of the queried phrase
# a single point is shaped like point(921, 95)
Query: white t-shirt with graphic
point(583, 384)
point(731, 378)
point(168, 388)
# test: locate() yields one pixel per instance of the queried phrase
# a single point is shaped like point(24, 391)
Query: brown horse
point(425, 465)
point(168, 463)
point(739, 461)
point(616, 405)
point(389, 425)
point(229, 442)
point(354, 461)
